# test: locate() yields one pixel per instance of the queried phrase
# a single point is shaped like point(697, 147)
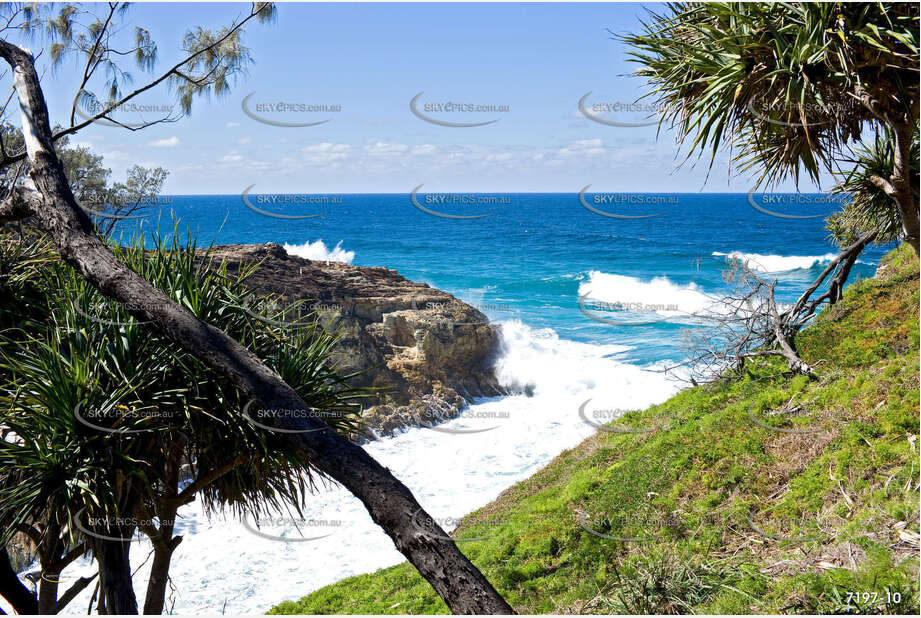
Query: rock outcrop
point(429, 352)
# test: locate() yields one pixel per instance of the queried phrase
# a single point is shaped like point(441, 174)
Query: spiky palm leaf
point(81, 348)
point(867, 208)
point(788, 85)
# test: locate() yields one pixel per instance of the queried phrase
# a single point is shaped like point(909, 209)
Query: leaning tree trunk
point(390, 504)
point(901, 184)
point(13, 590)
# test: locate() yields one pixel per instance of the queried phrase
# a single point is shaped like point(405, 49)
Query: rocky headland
point(427, 352)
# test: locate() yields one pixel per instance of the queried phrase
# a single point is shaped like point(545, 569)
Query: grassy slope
point(688, 493)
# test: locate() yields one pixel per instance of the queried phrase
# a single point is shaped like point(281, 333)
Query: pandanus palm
point(867, 208)
point(790, 87)
point(82, 363)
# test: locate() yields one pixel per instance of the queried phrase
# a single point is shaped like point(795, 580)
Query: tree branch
point(388, 501)
point(20, 203)
point(884, 185)
point(796, 363)
point(187, 494)
point(174, 70)
point(72, 592)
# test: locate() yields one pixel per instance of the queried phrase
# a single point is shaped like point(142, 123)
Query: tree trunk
point(389, 502)
point(164, 544)
point(901, 182)
point(48, 591)
point(13, 590)
point(50, 551)
point(115, 577)
point(159, 577)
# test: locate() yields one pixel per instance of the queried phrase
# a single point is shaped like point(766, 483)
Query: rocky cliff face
point(429, 351)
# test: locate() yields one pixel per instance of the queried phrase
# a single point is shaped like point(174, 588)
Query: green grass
point(708, 497)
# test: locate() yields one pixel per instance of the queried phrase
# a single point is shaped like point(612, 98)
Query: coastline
point(790, 493)
point(428, 354)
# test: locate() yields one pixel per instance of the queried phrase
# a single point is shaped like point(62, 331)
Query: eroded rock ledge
point(430, 352)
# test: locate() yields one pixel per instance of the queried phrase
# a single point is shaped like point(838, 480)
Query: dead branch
point(749, 323)
point(805, 308)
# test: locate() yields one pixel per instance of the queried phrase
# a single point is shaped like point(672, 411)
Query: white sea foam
point(221, 566)
point(318, 251)
point(659, 294)
point(776, 263)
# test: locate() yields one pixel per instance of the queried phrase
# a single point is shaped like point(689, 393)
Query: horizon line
point(500, 192)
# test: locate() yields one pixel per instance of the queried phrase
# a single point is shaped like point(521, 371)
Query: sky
point(363, 64)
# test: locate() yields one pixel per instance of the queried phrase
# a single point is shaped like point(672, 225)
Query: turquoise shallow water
point(533, 255)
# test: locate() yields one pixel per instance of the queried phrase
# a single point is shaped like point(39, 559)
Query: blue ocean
point(526, 260)
point(529, 257)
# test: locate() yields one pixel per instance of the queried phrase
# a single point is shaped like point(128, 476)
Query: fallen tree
point(750, 323)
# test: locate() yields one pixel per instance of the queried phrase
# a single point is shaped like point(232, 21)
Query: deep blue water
point(529, 257)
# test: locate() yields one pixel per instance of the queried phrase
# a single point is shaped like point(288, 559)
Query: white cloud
point(423, 149)
point(385, 149)
point(114, 155)
point(231, 125)
point(169, 142)
point(326, 152)
point(244, 141)
point(582, 148)
point(232, 157)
